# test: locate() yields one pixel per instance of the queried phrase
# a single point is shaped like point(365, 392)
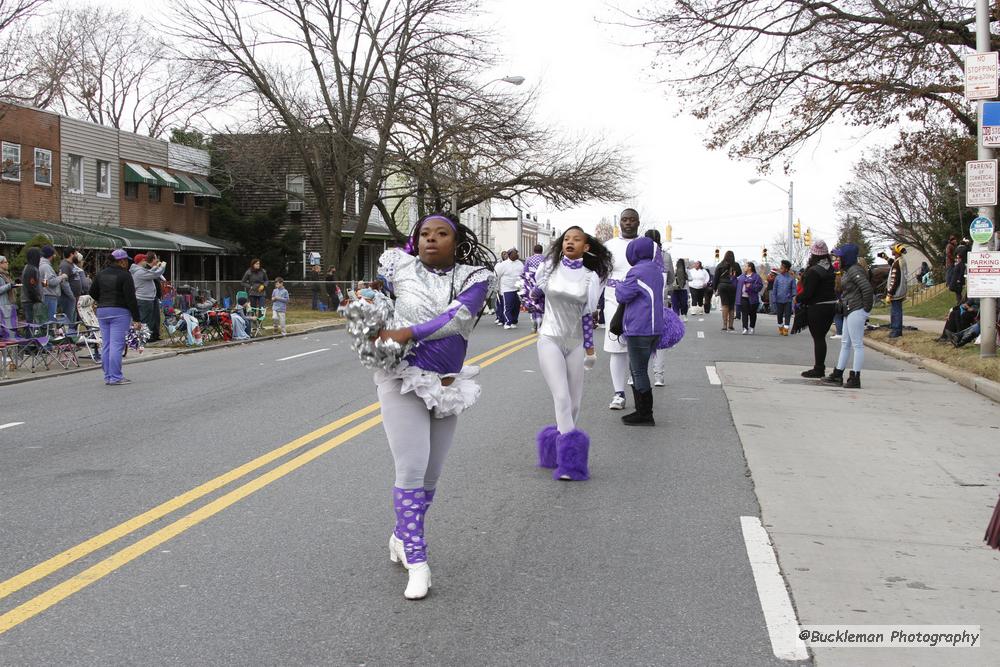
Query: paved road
point(643, 565)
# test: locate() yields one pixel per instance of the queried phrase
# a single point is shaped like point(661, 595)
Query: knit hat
point(48, 251)
point(2, 259)
point(119, 254)
point(819, 248)
point(898, 249)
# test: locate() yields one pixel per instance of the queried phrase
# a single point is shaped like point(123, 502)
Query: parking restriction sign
point(981, 183)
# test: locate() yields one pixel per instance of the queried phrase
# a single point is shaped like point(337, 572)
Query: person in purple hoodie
point(748, 287)
point(642, 294)
point(440, 283)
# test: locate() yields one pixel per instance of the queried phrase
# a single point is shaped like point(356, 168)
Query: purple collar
point(572, 263)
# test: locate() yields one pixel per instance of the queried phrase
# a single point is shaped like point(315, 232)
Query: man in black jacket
point(31, 288)
point(114, 292)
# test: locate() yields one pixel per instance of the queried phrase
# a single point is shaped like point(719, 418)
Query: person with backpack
point(726, 275)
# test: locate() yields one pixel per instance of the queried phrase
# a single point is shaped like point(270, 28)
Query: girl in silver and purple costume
point(440, 283)
point(570, 280)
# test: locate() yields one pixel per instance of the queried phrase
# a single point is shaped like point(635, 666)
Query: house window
point(180, 198)
point(154, 193)
point(75, 183)
point(43, 166)
point(295, 185)
point(11, 162)
point(103, 179)
point(131, 190)
point(199, 202)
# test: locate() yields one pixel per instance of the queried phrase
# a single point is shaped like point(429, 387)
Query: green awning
point(20, 232)
point(138, 239)
point(187, 186)
point(137, 174)
point(209, 189)
point(164, 178)
point(230, 247)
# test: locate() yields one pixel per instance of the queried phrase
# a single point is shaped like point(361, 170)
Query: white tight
point(419, 442)
point(658, 358)
point(563, 372)
point(619, 370)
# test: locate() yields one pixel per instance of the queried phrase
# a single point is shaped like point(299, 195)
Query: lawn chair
point(255, 316)
point(62, 343)
point(28, 340)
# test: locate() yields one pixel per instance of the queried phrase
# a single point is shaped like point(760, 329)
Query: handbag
point(617, 325)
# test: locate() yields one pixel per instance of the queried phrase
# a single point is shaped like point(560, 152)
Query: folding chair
point(29, 340)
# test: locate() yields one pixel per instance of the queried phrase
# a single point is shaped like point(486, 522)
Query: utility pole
point(987, 307)
point(790, 239)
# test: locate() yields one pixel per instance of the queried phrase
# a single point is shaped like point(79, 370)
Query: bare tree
point(327, 75)
point(769, 74)
point(911, 193)
point(105, 66)
point(779, 250)
point(14, 17)
point(464, 142)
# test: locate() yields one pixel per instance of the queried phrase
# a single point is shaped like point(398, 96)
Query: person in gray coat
point(146, 270)
point(857, 300)
point(51, 281)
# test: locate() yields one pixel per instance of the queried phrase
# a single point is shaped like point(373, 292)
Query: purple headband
point(411, 246)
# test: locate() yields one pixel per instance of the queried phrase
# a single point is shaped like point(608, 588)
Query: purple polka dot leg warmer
point(410, 506)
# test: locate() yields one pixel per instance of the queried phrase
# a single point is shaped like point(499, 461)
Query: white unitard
point(615, 345)
point(571, 296)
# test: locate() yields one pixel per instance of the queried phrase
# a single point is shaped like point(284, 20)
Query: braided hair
point(598, 259)
point(468, 249)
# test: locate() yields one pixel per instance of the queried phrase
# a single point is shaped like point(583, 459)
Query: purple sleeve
point(472, 298)
point(588, 331)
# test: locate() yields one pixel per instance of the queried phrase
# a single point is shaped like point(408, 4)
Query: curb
point(980, 385)
point(170, 354)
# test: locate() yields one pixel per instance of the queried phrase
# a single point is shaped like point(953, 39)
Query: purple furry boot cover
point(571, 456)
point(410, 506)
point(546, 440)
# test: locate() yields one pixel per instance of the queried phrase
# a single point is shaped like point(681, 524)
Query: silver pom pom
point(364, 321)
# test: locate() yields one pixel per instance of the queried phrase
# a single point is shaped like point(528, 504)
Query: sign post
point(981, 183)
point(983, 275)
point(981, 82)
point(981, 74)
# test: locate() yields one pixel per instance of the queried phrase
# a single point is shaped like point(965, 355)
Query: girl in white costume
point(570, 280)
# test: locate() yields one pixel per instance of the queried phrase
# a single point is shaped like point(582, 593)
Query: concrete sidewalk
point(876, 502)
point(920, 323)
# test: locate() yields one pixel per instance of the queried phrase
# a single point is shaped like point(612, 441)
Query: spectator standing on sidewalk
point(857, 298)
point(146, 271)
point(838, 315)
point(895, 290)
point(114, 292)
point(71, 288)
point(949, 257)
point(255, 282)
point(782, 295)
point(279, 301)
point(316, 286)
point(748, 287)
point(726, 274)
point(957, 283)
point(51, 282)
point(819, 298)
point(332, 291)
point(6, 288)
point(32, 305)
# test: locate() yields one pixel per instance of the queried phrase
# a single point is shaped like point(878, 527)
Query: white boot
point(419, 583)
point(396, 552)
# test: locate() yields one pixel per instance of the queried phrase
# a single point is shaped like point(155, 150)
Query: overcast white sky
point(592, 83)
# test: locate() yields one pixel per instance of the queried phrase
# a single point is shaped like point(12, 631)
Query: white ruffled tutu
point(442, 401)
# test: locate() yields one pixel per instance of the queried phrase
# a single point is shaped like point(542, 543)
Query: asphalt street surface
point(285, 561)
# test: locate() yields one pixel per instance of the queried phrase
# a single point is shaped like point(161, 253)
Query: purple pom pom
point(673, 330)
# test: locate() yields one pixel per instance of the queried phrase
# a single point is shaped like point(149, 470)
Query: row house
point(98, 188)
point(514, 227)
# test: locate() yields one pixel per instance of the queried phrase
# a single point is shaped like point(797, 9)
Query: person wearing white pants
point(570, 282)
point(628, 223)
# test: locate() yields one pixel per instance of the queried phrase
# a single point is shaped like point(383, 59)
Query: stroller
point(88, 327)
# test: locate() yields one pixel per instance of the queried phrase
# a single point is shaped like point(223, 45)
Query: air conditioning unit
point(295, 206)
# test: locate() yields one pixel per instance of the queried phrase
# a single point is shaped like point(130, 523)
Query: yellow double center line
point(61, 591)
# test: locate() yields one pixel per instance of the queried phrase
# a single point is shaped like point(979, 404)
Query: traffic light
point(797, 230)
point(617, 233)
point(808, 238)
point(764, 254)
point(670, 234)
point(716, 254)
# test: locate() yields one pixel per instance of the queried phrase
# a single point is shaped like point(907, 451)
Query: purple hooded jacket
point(642, 291)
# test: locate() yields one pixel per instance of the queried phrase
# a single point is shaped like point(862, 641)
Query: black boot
point(815, 372)
point(643, 415)
point(836, 376)
point(853, 381)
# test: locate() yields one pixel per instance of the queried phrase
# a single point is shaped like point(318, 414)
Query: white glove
point(589, 361)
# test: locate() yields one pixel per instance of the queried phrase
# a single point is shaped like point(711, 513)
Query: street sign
point(981, 183)
point(983, 274)
point(981, 230)
point(981, 76)
point(991, 124)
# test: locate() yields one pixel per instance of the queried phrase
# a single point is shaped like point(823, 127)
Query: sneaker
point(658, 380)
point(836, 337)
point(513, 326)
point(506, 326)
point(744, 332)
point(117, 382)
point(617, 402)
point(630, 380)
point(751, 331)
point(684, 318)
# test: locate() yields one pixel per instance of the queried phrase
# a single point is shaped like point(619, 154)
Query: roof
point(106, 237)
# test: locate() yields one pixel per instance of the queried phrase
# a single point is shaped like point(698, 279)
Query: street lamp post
point(791, 185)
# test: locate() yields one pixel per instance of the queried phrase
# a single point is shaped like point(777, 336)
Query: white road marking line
point(713, 375)
point(527, 371)
point(11, 424)
point(782, 624)
point(304, 354)
point(701, 334)
point(701, 319)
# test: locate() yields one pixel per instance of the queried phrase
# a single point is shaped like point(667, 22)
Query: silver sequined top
point(570, 293)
